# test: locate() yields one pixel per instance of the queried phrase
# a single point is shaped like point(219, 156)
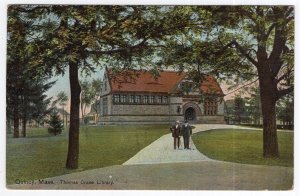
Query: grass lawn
point(243, 146)
point(40, 155)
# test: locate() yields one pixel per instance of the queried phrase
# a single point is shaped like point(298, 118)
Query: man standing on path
point(176, 131)
point(186, 133)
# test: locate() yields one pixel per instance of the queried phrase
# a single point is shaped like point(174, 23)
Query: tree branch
point(281, 93)
point(283, 76)
point(242, 86)
point(244, 52)
point(118, 50)
point(270, 29)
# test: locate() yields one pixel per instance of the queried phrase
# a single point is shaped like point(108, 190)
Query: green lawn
point(243, 146)
point(40, 155)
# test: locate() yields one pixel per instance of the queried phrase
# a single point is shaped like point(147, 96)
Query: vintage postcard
point(150, 97)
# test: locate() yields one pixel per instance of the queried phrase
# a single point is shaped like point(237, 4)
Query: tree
point(90, 93)
point(268, 45)
point(240, 111)
point(96, 90)
point(254, 108)
point(61, 99)
point(34, 103)
point(25, 86)
point(86, 98)
point(78, 37)
point(56, 124)
point(16, 44)
point(242, 43)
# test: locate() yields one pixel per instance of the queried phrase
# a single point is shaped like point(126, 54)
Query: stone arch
point(192, 105)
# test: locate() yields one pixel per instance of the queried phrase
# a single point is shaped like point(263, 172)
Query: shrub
point(56, 124)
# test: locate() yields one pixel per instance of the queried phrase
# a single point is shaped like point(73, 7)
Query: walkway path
point(161, 150)
point(160, 167)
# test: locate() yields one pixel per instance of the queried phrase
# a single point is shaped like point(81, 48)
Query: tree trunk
point(24, 121)
point(8, 125)
point(16, 121)
point(73, 148)
point(81, 108)
point(268, 102)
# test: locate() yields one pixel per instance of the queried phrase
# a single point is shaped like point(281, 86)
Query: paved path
point(162, 151)
point(160, 167)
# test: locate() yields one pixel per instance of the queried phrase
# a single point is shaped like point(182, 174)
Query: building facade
point(137, 96)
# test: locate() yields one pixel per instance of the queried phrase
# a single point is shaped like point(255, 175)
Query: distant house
point(136, 96)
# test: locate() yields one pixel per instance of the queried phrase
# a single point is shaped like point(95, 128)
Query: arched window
point(210, 106)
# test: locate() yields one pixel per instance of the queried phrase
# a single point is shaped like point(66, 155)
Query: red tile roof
point(209, 85)
point(144, 81)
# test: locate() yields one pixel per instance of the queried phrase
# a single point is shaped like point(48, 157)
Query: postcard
point(150, 97)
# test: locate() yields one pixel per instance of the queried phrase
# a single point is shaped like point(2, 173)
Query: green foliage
point(26, 87)
point(90, 94)
point(285, 110)
point(55, 124)
point(243, 146)
point(254, 105)
point(61, 99)
point(237, 110)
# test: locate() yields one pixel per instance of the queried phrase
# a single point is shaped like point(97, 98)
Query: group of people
point(185, 131)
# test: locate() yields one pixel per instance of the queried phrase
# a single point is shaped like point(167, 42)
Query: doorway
point(190, 114)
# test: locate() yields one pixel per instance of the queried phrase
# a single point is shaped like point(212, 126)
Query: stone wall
point(139, 109)
point(221, 108)
point(145, 119)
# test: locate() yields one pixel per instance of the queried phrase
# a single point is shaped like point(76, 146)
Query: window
point(123, 98)
point(146, 99)
point(131, 99)
point(152, 98)
point(210, 106)
point(138, 99)
point(116, 98)
point(165, 100)
point(159, 99)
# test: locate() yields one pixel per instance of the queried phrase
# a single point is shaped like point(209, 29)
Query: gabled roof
point(144, 81)
point(209, 85)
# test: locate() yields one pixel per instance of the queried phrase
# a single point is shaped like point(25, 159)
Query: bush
point(56, 124)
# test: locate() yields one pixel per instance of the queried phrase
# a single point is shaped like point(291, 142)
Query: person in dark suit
point(176, 132)
point(186, 133)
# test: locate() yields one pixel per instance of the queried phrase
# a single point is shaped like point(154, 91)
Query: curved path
point(160, 167)
point(162, 151)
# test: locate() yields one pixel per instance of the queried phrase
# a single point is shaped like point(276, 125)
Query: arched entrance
point(190, 114)
point(191, 111)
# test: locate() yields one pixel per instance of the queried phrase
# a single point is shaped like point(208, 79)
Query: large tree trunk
point(16, 121)
point(73, 148)
point(24, 121)
point(268, 102)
